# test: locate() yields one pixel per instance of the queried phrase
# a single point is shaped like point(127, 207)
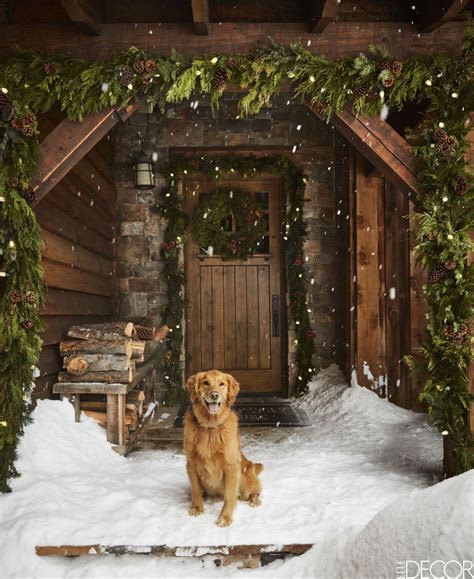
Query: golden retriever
point(215, 462)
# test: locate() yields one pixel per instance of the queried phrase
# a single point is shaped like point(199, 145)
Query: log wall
point(77, 220)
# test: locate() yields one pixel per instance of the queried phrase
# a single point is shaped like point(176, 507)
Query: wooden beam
point(82, 15)
point(433, 14)
point(340, 39)
point(69, 142)
point(264, 553)
point(324, 12)
point(381, 145)
point(201, 16)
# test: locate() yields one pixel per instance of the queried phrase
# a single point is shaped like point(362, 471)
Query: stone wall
point(289, 129)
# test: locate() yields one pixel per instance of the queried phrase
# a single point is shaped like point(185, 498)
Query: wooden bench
point(145, 376)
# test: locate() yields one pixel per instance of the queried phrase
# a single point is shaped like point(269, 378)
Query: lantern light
point(144, 174)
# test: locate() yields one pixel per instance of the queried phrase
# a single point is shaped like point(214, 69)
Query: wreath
point(230, 222)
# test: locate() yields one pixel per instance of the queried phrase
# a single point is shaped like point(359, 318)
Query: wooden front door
point(235, 308)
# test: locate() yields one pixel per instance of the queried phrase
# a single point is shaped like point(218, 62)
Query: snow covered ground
point(330, 484)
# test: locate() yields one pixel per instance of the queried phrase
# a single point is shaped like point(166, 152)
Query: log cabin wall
point(182, 128)
point(77, 220)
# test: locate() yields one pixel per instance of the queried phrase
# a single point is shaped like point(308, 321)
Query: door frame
point(284, 341)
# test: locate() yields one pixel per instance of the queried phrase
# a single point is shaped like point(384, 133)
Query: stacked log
point(107, 352)
point(100, 358)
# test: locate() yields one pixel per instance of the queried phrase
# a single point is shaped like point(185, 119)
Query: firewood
point(78, 365)
point(106, 377)
point(161, 334)
point(136, 395)
point(104, 331)
point(97, 405)
point(138, 347)
point(102, 417)
point(121, 346)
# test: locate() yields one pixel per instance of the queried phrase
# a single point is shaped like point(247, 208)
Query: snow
point(360, 476)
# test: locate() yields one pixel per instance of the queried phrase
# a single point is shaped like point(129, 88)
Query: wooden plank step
point(249, 556)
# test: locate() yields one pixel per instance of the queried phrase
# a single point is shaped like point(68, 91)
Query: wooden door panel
point(230, 336)
point(229, 312)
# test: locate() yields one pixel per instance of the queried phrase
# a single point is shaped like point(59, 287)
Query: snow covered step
point(249, 556)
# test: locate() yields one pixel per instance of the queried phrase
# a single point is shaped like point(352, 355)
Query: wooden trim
point(66, 145)
point(401, 38)
point(381, 145)
point(81, 16)
point(201, 16)
point(434, 14)
point(69, 142)
point(324, 12)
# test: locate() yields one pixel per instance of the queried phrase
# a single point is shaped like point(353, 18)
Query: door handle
point(275, 316)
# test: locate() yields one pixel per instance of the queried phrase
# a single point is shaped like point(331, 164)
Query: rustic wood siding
point(77, 220)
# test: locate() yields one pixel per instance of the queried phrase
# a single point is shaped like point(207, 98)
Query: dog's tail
point(258, 467)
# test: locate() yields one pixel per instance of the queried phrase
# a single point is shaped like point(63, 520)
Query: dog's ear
point(234, 388)
point(192, 386)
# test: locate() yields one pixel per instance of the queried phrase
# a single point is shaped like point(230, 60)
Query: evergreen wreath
point(31, 83)
point(211, 223)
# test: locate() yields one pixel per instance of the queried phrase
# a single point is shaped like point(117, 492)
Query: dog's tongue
point(213, 407)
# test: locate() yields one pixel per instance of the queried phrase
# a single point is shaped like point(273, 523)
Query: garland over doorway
point(293, 234)
point(31, 83)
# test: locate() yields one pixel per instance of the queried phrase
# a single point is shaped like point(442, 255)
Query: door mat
point(276, 412)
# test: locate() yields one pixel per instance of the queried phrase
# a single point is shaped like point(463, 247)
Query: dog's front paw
point(254, 500)
point(196, 510)
point(224, 520)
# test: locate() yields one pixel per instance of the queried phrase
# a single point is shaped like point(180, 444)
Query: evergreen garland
point(31, 83)
point(294, 233)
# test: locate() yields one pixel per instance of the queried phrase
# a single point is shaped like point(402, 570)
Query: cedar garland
point(293, 233)
point(31, 83)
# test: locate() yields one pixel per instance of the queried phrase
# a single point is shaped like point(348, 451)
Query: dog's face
point(213, 391)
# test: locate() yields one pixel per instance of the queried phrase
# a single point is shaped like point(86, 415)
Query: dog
point(215, 464)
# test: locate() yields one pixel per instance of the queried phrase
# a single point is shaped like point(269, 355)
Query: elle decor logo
point(438, 569)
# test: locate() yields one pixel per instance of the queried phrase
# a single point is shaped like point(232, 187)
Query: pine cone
point(232, 63)
point(126, 75)
point(388, 80)
point(219, 80)
point(16, 297)
point(457, 337)
point(396, 68)
point(450, 264)
point(447, 147)
point(27, 325)
point(150, 65)
point(139, 66)
point(30, 297)
point(439, 136)
point(50, 68)
point(310, 336)
point(30, 197)
point(144, 333)
point(461, 184)
point(364, 90)
point(233, 246)
point(437, 274)
point(385, 65)
point(25, 125)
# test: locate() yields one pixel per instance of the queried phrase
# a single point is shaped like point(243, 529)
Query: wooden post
point(77, 407)
point(371, 369)
point(112, 418)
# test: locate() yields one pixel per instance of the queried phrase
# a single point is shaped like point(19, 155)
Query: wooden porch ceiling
point(207, 15)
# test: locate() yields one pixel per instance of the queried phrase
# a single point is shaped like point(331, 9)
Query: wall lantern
point(144, 174)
